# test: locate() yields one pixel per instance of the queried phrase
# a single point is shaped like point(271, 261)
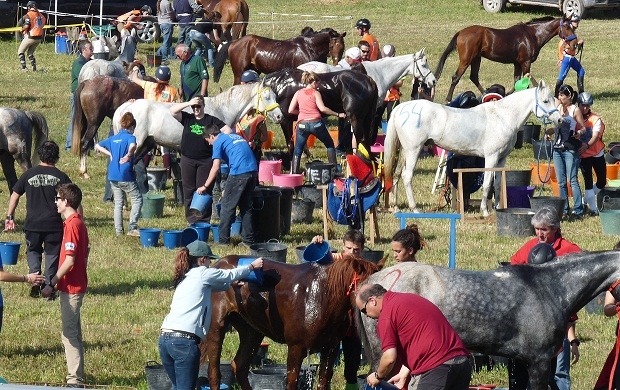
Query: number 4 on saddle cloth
point(348, 199)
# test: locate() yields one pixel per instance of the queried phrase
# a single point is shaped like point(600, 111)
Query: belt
point(183, 335)
point(310, 120)
point(456, 360)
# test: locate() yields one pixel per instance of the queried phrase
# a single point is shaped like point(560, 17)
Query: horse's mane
point(340, 274)
point(541, 20)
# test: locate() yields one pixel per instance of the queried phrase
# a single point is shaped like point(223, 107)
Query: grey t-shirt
point(165, 8)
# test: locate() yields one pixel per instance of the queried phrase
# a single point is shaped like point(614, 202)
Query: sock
point(591, 200)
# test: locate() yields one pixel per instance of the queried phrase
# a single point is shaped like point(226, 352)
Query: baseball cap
point(490, 96)
point(201, 249)
point(354, 53)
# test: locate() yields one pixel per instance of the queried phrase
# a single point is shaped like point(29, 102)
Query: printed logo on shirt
point(43, 180)
point(197, 129)
point(69, 246)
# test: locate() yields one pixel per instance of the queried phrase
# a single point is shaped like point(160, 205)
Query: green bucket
point(610, 221)
point(153, 206)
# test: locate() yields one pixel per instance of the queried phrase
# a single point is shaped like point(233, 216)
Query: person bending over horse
point(415, 332)
point(406, 243)
point(308, 104)
point(567, 51)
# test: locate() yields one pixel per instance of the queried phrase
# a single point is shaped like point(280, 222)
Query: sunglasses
point(365, 51)
point(196, 106)
point(364, 308)
point(59, 198)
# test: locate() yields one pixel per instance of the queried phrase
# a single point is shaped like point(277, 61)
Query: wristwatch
point(378, 377)
point(575, 341)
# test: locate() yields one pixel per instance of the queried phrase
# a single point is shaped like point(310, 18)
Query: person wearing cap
point(194, 73)
point(567, 57)
point(592, 152)
point(352, 56)
point(165, 19)
point(253, 126)
point(546, 222)
point(188, 321)
point(242, 179)
point(160, 91)
point(363, 28)
point(32, 28)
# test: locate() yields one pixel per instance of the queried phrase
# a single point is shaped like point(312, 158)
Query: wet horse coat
point(521, 312)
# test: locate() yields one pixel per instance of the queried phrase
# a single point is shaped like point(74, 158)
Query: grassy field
point(130, 287)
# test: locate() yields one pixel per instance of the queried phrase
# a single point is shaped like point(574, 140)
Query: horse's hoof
point(86, 176)
point(485, 213)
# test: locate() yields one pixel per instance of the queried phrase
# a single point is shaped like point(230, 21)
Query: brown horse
point(305, 306)
point(230, 18)
point(518, 45)
point(94, 100)
point(267, 55)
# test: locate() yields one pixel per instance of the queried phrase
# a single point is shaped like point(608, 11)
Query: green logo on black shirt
point(197, 129)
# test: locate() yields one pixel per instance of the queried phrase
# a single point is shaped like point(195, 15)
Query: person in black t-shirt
point(196, 153)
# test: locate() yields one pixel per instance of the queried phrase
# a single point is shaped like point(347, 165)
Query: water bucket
point(610, 221)
point(611, 203)
point(9, 252)
point(518, 178)
point(519, 196)
point(519, 140)
point(172, 238)
point(318, 253)
point(372, 256)
point(555, 202)
point(203, 230)
point(302, 211)
point(61, 44)
point(299, 252)
point(265, 214)
point(543, 150)
point(215, 229)
point(188, 235)
point(605, 194)
point(201, 202)
point(235, 228)
point(282, 155)
point(228, 377)
point(612, 171)
point(256, 276)
point(273, 377)
point(152, 206)
point(153, 60)
point(384, 127)
point(286, 208)
point(530, 132)
point(157, 178)
point(266, 169)
point(149, 237)
point(542, 173)
point(288, 179)
point(318, 172)
point(309, 191)
point(515, 222)
point(272, 250)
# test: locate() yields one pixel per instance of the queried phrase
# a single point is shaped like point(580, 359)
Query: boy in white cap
point(352, 56)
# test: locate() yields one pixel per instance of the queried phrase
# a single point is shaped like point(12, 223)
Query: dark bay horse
point(230, 18)
point(348, 91)
point(267, 55)
point(521, 312)
point(21, 134)
point(94, 100)
point(304, 306)
point(518, 45)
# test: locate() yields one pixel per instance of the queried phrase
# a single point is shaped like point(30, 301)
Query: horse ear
point(541, 84)
point(423, 49)
point(344, 34)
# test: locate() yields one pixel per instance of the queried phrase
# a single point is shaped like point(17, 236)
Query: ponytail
point(182, 265)
point(410, 238)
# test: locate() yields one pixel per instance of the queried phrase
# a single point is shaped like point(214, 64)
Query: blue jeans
point(181, 360)
point(569, 62)
point(202, 42)
point(183, 34)
point(131, 189)
point(165, 51)
point(562, 371)
point(70, 128)
point(238, 192)
point(304, 129)
point(567, 163)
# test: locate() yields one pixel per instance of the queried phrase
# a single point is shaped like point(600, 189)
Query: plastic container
point(188, 235)
point(235, 228)
point(266, 169)
point(149, 237)
point(256, 276)
point(203, 230)
point(215, 230)
point(302, 211)
point(610, 221)
point(318, 253)
point(288, 179)
point(172, 238)
point(286, 208)
point(157, 177)
point(153, 206)
point(272, 250)
point(9, 252)
point(201, 202)
point(266, 213)
point(538, 202)
point(61, 44)
point(514, 222)
point(519, 196)
point(542, 173)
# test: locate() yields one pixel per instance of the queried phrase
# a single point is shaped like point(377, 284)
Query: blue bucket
point(384, 127)
point(222, 387)
point(216, 232)
point(235, 229)
point(318, 253)
point(203, 230)
point(149, 237)
point(9, 252)
point(224, 169)
point(188, 235)
point(256, 276)
point(172, 238)
point(201, 203)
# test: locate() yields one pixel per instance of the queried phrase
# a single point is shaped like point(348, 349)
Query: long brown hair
point(182, 264)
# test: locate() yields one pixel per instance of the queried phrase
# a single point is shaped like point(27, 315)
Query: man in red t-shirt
point(71, 280)
point(414, 332)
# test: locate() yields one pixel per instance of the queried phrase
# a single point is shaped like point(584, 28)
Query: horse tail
point(446, 53)
point(390, 154)
point(79, 121)
point(220, 61)
point(41, 132)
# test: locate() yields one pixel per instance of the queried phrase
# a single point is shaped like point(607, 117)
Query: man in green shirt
point(86, 51)
point(194, 73)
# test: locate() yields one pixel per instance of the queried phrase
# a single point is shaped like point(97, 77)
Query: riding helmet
point(575, 18)
point(363, 23)
point(249, 76)
point(388, 51)
point(31, 4)
point(541, 253)
point(585, 98)
point(146, 8)
point(162, 73)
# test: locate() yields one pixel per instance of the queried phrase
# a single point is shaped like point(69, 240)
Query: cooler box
point(61, 44)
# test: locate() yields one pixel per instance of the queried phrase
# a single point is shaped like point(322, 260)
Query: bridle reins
point(259, 99)
point(544, 118)
point(418, 68)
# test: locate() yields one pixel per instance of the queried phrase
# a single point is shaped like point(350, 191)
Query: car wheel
point(494, 6)
point(151, 32)
point(572, 7)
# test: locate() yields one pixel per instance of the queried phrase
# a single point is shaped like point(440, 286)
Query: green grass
point(129, 286)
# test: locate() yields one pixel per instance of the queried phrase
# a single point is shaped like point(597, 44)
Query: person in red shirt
point(415, 332)
point(71, 280)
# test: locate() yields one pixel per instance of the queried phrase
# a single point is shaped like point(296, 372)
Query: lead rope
point(547, 177)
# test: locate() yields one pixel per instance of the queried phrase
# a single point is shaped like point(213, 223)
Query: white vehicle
point(568, 7)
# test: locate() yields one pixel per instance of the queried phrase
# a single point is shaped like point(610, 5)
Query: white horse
point(386, 71)
point(488, 130)
point(155, 124)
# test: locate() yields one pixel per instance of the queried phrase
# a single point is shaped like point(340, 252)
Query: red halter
point(353, 285)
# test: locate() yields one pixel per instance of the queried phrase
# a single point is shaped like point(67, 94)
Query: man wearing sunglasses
point(363, 28)
point(415, 332)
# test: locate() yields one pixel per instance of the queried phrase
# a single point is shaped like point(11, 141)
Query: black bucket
point(299, 253)
point(543, 150)
point(157, 178)
point(272, 250)
point(265, 214)
point(302, 211)
point(514, 222)
point(518, 178)
point(530, 132)
point(372, 256)
point(273, 377)
point(538, 202)
point(606, 194)
point(519, 140)
point(228, 377)
point(611, 203)
point(318, 172)
point(286, 206)
point(309, 191)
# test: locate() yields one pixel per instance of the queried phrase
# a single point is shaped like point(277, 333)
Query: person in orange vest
point(252, 127)
point(363, 28)
point(129, 22)
point(32, 24)
point(567, 51)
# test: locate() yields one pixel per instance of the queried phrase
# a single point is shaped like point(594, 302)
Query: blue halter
point(544, 118)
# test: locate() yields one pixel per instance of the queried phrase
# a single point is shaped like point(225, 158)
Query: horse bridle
point(546, 114)
point(419, 69)
point(353, 285)
point(259, 97)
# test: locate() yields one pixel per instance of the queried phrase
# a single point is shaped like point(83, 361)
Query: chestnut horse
point(518, 45)
point(94, 100)
point(230, 18)
point(305, 306)
point(267, 55)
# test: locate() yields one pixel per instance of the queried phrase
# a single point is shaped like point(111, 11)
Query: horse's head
point(545, 108)
point(267, 104)
point(345, 275)
point(421, 70)
point(336, 46)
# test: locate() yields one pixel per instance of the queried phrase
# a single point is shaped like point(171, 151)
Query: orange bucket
point(333, 132)
point(539, 172)
point(612, 171)
point(267, 144)
point(556, 188)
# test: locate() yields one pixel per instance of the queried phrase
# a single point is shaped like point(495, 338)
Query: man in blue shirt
point(121, 148)
point(242, 179)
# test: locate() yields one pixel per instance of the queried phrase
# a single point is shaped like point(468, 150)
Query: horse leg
point(475, 71)
point(249, 342)
point(489, 162)
point(395, 179)
point(456, 78)
point(539, 374)
point(326, 365)
point(411, 159)
point(8, 167)
point(296, 354)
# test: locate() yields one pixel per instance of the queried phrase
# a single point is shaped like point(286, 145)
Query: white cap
point(354, 53)
point(389, 51)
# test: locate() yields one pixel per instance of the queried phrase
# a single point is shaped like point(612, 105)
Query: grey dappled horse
point(520, 311)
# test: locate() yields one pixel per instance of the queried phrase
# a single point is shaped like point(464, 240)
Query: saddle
point(348, 203)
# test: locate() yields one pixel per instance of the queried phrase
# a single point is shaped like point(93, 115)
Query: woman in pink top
point(308, 104)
